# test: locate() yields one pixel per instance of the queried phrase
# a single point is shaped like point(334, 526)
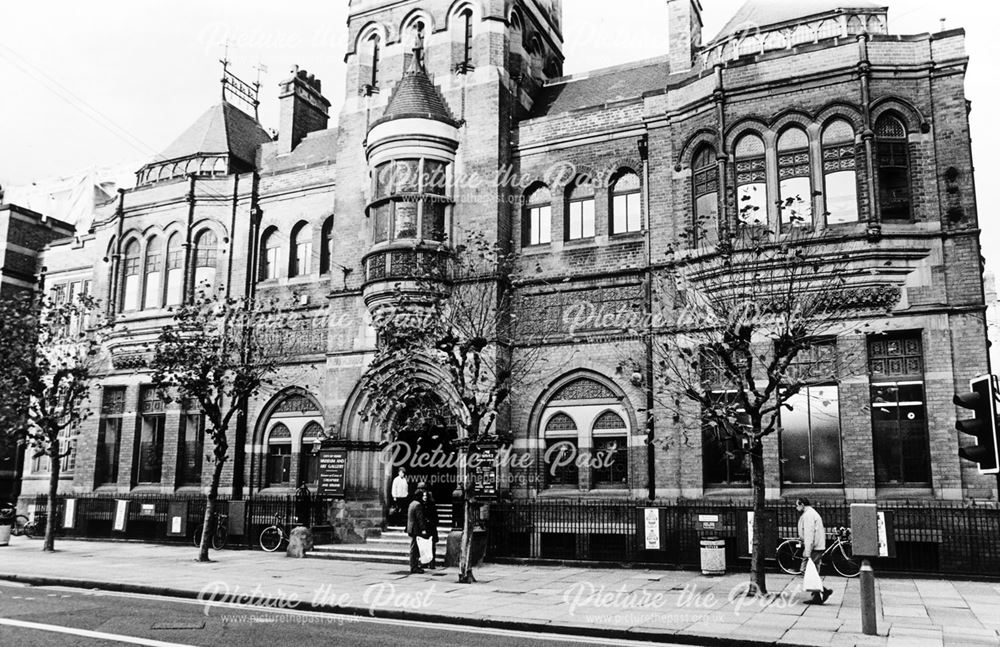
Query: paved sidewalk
point(677, 605)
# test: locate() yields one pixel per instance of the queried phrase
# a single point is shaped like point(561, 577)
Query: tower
point(470, 69)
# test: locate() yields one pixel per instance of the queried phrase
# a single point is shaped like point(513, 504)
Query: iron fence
point(930, 537)
point(149, 516)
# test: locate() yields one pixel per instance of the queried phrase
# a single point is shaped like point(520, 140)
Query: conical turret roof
point(417, 97)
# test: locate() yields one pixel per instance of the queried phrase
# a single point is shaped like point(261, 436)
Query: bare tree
point(216, 353)
point(460, 336)
point(746, 327)
point(50, 346)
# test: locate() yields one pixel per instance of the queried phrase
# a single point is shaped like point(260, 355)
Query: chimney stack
point(303, 109)
point(684, 33)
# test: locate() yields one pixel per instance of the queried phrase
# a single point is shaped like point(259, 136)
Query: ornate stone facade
point(618, 172)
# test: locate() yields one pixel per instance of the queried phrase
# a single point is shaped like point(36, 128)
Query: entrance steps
point(391, 546)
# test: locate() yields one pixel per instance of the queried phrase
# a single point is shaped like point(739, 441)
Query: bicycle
point(272, 537)
point(790, 556)
point(220, 531)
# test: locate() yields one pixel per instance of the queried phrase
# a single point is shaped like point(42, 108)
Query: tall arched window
point(132, 277)
point(626, 209)
point(840, 176)
point(270, 257)
point(794, 183)
point(536, 222)
point(279, 456)
point(893, 161)
point(461, 38)
point(579, 221)
point(206, 255)
point(175, 270)
point(751, 180)
point(152, 275)
point(705, 190)
point(300, 258)
point(370, 63)
point(326, 246)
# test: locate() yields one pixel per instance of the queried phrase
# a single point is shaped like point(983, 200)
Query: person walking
point(430, 512)
point(416, 526)
point(812, 534)
point(400, 494)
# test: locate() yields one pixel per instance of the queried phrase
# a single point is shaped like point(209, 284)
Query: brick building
point(820, 100)
point(23, 233)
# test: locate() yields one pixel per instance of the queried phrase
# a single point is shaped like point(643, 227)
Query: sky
point(113, 82)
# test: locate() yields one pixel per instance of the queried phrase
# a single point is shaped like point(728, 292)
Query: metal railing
point(149, 519)
point(931, 537)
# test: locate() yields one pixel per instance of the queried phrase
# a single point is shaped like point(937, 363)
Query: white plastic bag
point(425, 547)
point(810, 579)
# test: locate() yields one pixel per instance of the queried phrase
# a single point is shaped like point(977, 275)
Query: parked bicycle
point(274, 535)
point(839, 554)
point(219, 526)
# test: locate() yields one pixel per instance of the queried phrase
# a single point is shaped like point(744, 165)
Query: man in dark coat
point(430, 513)
point(416, 526)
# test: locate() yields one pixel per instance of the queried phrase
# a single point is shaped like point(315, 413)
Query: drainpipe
point(650, 422)
point(232, 235)
point(116, 256)
point(188, 245)
point(868, 136)
point(250, 290)
point(720, 117)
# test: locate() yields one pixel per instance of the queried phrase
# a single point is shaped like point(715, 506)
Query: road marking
point(430, 625)
point(131, 640)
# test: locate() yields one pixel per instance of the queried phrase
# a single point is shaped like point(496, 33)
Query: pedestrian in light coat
point(812, 534)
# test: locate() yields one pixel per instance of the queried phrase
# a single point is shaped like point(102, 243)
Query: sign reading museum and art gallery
point(332, 466)
point(485, 472)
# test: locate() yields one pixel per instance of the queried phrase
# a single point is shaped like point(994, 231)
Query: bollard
point(868, 620)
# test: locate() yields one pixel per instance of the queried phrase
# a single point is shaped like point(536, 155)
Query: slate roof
point(764, 13)
point(223, 128)
point(598, 87)
point(416, 96)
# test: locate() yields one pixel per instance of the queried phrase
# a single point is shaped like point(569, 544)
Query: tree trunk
point(757, 575)
point(465, 575)
point(50, 513)
point(207, 528)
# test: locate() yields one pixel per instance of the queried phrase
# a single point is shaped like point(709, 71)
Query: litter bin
point(713, 556)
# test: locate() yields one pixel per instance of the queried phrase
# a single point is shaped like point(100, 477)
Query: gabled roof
point(760, 14)
point(598, 87)
point(416, 96)
point(224, 128)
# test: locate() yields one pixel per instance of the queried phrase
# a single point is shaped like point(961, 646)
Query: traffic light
point(981, 400)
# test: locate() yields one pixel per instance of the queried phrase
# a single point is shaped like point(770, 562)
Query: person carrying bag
point(812, 534)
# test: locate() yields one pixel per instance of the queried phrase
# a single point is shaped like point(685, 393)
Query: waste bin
point(713, 556)
point(4, 534)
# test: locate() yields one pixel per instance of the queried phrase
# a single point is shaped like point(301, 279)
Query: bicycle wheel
point(20, 523)
point(220, 538)
point(844, 561)
point(34, 529)
point(790, 557)
point(197, 537)
point(270, 538)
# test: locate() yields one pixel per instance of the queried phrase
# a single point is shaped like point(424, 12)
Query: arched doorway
point(423, 437)
point(424, 421)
